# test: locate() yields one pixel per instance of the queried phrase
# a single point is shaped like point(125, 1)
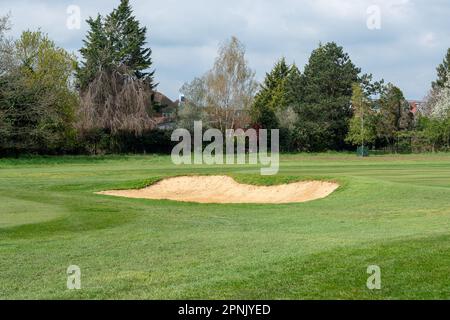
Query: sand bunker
point(223, 189)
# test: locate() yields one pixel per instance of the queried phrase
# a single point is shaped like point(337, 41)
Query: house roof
point(415, 105)
point(162, 99)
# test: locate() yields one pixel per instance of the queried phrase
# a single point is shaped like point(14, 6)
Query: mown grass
point(391, 211)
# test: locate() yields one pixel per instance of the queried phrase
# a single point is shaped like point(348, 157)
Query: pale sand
point(223, 189)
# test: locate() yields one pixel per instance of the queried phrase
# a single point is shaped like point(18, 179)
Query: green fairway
point(390, 211)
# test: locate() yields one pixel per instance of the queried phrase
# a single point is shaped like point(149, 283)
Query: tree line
point(330, 105)
point(51, 103)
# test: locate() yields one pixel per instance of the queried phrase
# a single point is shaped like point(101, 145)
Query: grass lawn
point(391, 211)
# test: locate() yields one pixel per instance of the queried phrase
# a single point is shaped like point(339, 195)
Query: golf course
point(391, 211)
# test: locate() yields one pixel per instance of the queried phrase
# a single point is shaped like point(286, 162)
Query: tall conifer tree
point(116, 42)
point(272, 96)
point(442, 72)
point(327, 90)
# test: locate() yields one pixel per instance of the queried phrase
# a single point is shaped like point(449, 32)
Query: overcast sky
point(184, 35)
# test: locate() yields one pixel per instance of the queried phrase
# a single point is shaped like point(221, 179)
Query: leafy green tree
point(362, 125)
point(37, 101)
point(433, 130)
point(442, 72)
point(324, 110)
point(394, 114)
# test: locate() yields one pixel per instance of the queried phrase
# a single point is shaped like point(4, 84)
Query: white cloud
point(184, 34)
